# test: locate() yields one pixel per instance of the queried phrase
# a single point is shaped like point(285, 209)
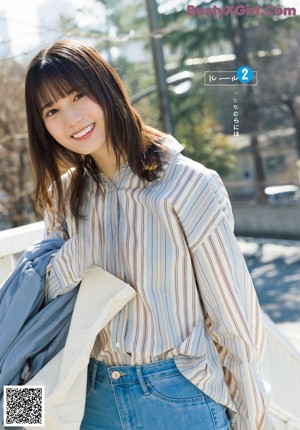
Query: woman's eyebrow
point(46, 105)
point(51, 103)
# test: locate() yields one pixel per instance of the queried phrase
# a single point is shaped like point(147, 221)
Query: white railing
point(14, 241)
point(281, 368)
point(281, 361)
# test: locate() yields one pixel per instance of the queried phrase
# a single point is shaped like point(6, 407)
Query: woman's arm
point(68, 265)
point(232, 312)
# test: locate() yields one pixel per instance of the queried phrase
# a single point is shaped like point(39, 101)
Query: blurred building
point(279, 156)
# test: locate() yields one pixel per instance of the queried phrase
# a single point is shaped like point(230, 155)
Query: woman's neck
point(107, 161)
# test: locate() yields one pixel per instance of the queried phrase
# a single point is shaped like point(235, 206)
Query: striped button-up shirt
point(172, 240)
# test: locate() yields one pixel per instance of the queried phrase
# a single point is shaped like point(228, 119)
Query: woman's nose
point(73, 116)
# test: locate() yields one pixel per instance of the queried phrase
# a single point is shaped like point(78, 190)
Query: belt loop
point(141, 380)
point(93, 377)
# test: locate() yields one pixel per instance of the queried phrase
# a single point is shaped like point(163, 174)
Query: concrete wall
point(282, 222)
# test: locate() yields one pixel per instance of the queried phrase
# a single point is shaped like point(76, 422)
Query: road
point(275, 269)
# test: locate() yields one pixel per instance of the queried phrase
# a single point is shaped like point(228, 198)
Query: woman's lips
point(84, 133)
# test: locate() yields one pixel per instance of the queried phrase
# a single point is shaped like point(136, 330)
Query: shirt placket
point(119, 323)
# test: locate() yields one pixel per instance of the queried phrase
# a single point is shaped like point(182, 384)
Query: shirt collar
point(166, 140)
point(171, 143)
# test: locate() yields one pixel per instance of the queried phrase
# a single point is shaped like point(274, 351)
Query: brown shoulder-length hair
point(54, 72)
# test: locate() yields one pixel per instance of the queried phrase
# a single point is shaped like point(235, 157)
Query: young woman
point(185, 353)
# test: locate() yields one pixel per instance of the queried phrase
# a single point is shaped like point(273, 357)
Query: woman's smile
point(77, 117)
point(85, 133)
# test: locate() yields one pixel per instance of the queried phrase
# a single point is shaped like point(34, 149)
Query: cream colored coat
point(101, 296)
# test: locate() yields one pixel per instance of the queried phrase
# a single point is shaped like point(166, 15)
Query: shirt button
point(115, 375)
point(118, 344)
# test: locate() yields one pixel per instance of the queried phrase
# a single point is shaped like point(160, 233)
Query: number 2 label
point(244, 74)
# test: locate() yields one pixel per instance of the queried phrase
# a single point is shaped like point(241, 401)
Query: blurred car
point(283, 194)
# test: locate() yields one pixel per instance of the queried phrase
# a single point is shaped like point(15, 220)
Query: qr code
point(24, 405)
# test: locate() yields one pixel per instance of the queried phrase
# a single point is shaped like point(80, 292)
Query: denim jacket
point(32, 333)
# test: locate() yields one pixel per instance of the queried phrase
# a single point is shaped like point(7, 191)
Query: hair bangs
point(54, 73)
point(58, 80)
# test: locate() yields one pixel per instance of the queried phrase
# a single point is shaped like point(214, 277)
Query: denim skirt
point(147, 397)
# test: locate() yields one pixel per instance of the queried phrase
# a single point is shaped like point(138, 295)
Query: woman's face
point(77, 123)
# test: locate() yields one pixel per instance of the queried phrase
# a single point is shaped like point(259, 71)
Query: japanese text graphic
point(232, 78)
point(236, 121)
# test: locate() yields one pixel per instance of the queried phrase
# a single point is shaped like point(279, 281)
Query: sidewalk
point(275, 269)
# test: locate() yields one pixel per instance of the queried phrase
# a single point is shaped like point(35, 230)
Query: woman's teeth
point(84, 131)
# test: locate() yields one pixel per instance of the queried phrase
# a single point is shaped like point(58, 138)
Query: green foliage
point(196, 113)
point(194, 35)
point(195, 127)
point(204, 144)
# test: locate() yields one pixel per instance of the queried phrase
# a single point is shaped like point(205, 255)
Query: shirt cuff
point(63, 273)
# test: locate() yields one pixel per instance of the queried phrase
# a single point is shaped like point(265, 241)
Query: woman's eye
point(50, 112)
point(78, 96)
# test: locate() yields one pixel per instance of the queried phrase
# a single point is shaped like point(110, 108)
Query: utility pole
point(159, 65)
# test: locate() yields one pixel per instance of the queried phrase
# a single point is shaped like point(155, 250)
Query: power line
point(30, 51)
point(21, 36)
point(28, 24)
point(46, 29)
point(99, 37)
point(21, 54)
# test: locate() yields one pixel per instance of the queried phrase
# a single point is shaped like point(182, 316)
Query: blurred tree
point(16, 182)
point(198, 130)
point(190, 124)
point(286, 82)
point(196, 34)
point(204, 144)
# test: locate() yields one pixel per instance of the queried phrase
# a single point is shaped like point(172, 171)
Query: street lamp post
point(178, 83)
point(158, 59)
